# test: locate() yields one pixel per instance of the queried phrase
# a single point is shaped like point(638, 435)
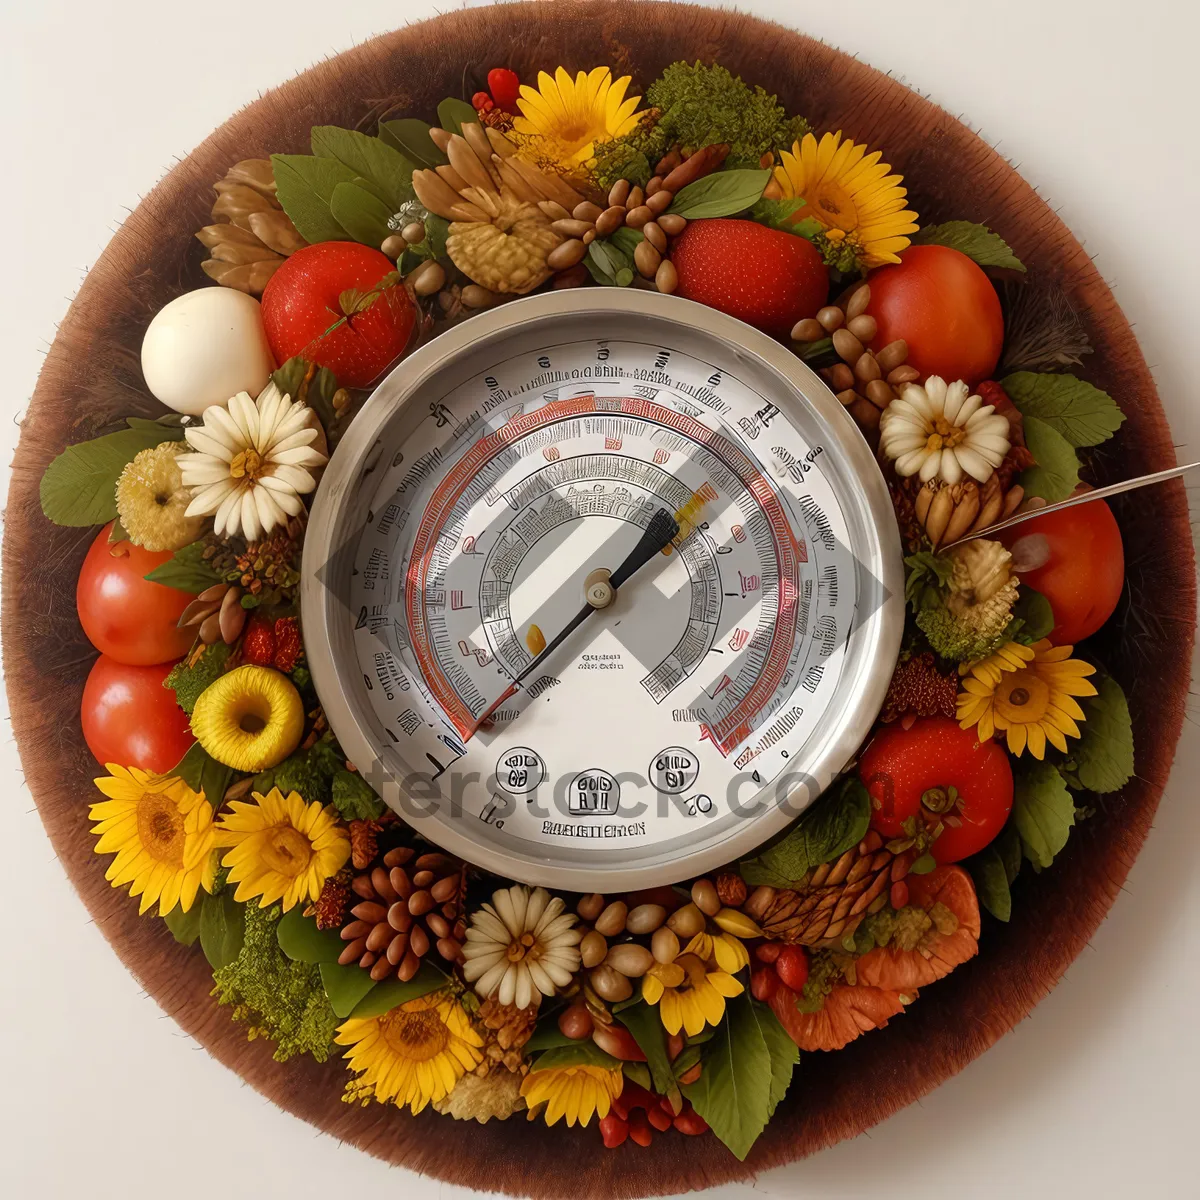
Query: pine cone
point(334, 901)
point(404, 911)
point(505, 1030)
point(364, 843)
point(832, 899)
point(251, 234)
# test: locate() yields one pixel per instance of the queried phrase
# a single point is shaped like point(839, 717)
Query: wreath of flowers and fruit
point(229, 809)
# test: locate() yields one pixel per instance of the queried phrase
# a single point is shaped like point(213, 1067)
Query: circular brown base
point(92, 379)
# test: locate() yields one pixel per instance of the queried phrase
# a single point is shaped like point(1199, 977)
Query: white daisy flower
point(251, 463)
point(521, 947)
point(940, 431)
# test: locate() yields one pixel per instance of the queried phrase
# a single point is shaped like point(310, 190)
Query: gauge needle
point(659, 534)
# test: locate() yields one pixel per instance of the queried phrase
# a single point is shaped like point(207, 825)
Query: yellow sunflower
point(852, 195)
point(281, 848)
point(1032, 703)
point(572, 1092)
point(689, 992)
point(563, 118)
point(414, 1054)
point(162, 834)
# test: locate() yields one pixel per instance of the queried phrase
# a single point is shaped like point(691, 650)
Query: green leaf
point(838, 821)
point(302, 941)
point(928, 575)
point(167, 429)
point(186, 925)
point(977, 242)
point(735, 1089)
point(411, 137)
point(454, 114)
point(1033, 610)
point(370, 157)
point(317, 391)
point(646, 1027)
point(638, 1073)
point(354, 798)
point(363, 216)
point(1083, 414)
point(720, 195)
point(783, 215)
point(1104, 757)
point(80, 486)
point(222, 929)
point(548, 1036)
point(1043, 811)
point(583, 1053)
point(991, 882)
point(1008, 845)
point(811, 351)
point(304, 186)
point(785, 1054)
point(607, 262)
point(391, 993)
point(202, 773)
point(686, 1059)
point(627, 240)
point(1057, 472)
point(345, 987)
point(187, 570)
point(437, 230)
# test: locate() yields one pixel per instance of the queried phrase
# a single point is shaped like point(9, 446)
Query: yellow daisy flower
point(572, 1092)
point(852, 195)
point(562, 119)
point(281, 848)
point(414, 1054)
point(1031, 703)
point(689, 992)
point(162, 834)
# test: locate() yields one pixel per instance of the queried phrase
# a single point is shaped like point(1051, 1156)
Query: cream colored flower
point(940, 431)
point(521, 947)
point(251, 463)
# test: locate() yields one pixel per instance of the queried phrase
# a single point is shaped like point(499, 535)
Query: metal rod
point(1112, 489)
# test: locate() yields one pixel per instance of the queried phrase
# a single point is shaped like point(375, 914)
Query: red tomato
point(129, 718)
point(1085, 571)
point(124, 615)
point(792, 967)
point(908, 772)
point(944, 306)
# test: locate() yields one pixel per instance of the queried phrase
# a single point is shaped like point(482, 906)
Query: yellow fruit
point(249, 719)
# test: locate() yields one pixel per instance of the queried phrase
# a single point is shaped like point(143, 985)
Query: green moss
point(966, 638)
point(187, 682)
point(310, 772)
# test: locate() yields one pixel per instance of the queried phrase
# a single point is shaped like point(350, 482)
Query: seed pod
point(902, 375)
point(393, 246)
point(664, 945)
point(610, 985)
point(732, 920)
point(474, 296)
point(590, 906)
point(668, 162)
point(610, 220)
point(848, 347)
point(619, 192)
point(428, 278)
point(646, 918)
point(686, 922)
point(808, 330)
point(571, 228)
point(705, 898)
point(847, 396)
point(866, 368)
point(941, 508)
point(965, 512)
point(653, 233)
point(1012, 500)
point(635, 218)
point(863, 327)
point(612, 920)
point(660, 201)
point(401, 885)
point(585, 210)
point(369, 911)
point(449, 949)
point(210, 629)
point(672, 224)
point(566, 255)
point(632, 960)
point(419, 903)
point(200, 609)
point(880, 393)
point(646, 259)
point(831, 317)
point(857, 301)
point(592, 949)
point(840, 377)
point(892, 355)
point(692, 168)
point(666, 278)
point(554, 210)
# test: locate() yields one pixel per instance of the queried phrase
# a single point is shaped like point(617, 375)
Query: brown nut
point(590, 906)
point(635, 199)
point(660, 201)
point(666, 278)
point(567, 255)
point(646, 258)
point(863, 327)
point(672, 224)
point(847, 397)
point(232, 617)
point(646, 918)
point(571, 228)
point(393, 246)
point(428, 278)
point(864, 412)
point(610, 220)
point(632, 960)
point(573, 277)
point(210, 629)
point(635, 218)
point(612, 920)
point(892, 355)
point(808, 330)
point(692, 168)
point(848, 347)
point(857, 301)
point(866, 368)
point(653, 185)
point(831, 317)
point(686, 922)
point(619, 192)
point(880, 393)
point(413, 233)
point(653, 233)
point(554, 210)
point(705, 898)
point(664, 945)
point(474, 296)
point(840, 377)
point(904, 374)
point(592, 949)
point(608, 984)
point(585, 210)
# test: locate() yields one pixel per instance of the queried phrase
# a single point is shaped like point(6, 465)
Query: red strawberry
point(288, 646)
point(505, 88)
point(258, 642)
point(324, 303)
point(765, 277)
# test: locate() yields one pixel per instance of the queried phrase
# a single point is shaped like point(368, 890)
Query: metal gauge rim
point(342, 501)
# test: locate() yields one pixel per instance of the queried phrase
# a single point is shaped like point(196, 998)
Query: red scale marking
point(733, 728)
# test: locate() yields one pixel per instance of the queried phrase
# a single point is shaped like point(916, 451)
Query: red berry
point(767, 952)
point(639, 1127)
point(763, 982)
point(792, 967)
point(659, 1119)
point(613, 1130)
point(690, 1122)
point(505, 88)
point(288, 646)
point(765, 277)
point(304, 311)
point(482, 102)
point(258, 642)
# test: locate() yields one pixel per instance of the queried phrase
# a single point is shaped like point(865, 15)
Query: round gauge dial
point(601, 589)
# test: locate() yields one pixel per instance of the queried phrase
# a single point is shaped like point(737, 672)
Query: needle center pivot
point(597, 590)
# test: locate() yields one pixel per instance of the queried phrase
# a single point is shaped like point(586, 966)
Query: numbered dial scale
point(601, 589)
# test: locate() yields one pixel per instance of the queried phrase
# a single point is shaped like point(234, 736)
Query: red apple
point(326, 305)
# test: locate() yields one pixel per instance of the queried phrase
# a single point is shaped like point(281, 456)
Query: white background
point(1095, 1094)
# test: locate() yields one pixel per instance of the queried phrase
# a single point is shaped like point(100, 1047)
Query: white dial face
point(682, 702)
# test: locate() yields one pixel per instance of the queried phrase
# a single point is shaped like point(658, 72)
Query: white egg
point(204, 347)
